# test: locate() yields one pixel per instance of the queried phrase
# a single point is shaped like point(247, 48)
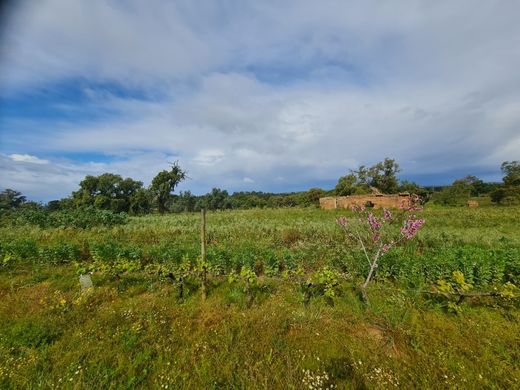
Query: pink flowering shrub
point(378, 234)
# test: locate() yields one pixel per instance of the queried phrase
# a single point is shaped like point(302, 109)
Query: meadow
point(281, 307)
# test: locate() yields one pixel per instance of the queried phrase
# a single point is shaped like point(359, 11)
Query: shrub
point(83, 218)
point(62, 252)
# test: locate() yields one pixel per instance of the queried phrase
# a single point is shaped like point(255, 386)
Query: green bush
point(111, 251)
point(61, 252)
point(83, 218)
point(18, 250)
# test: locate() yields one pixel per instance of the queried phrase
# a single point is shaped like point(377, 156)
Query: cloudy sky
point(256, 95)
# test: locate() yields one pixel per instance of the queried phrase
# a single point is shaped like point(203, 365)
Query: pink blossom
point(386, 248)
point(342, 221)
point(411, 227)
point(357, 208)
point(387, 215)
point(373, 222)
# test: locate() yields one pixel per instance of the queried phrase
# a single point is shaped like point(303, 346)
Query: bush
point(61, 252)
point(506, 196)
point(83, 218)
point(18, 250)
point(111, 251)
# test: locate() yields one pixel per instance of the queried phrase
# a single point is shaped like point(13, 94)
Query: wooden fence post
point(203, 252)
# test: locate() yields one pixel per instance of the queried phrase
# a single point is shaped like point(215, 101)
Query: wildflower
point(411, 227)
point(387, 215)
point(373, 222)
point(386, 248)
point(342, 221)
point(357, 208)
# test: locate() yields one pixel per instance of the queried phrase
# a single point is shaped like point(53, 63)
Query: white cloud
point(247, 91)
point(28, 159)
point(209, 157)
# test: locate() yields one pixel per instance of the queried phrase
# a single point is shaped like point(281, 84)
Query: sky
point(256, 95)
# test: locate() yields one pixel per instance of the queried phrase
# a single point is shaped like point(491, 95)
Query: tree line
point(112, 192)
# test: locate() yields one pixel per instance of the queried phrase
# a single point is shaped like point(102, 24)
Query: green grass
point(135, 332)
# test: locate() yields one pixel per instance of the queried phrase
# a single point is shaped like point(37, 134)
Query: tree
point(164, 183)
point(346, 185)
point(185, 202)
point(383, 176)
point(376, 235)
point(11, 199)
point(107, 191)
point(217, 199)
point(511, 170)
point(509, 192)
point(312, 197)
point(455, 195)
point(413, 188)
point(140, 202)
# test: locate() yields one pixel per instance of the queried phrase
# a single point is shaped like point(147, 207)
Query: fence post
point(203, 252)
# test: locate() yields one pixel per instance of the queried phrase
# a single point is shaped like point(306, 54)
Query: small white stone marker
point(86, 283)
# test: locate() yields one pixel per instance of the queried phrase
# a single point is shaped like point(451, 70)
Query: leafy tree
point(217, 199)
point(506, 195)
point(509, 192)
point(511, 170)
point(54, 205)
point(184, 202)
point(346, 185)
point(383, 176)
point(11, 199)
point(456, 194)
point(312, 197)
point(413, 188)
point(164, 183)
point(107, 191)
point(140, 202)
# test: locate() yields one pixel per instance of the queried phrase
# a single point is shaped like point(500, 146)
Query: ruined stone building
point(375, 200)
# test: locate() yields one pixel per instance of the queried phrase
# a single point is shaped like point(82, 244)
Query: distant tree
point(54, 205)
point(346, 185)
point(509, 192)
point(107, 191)
point(457, 194)
point(184, 202)
point(164, 183)
point(11, 199)
point(312, 197)
point(31, 205)
point(506, 195)
point(140, 202)
point(511, 170)
point(383, 176)
point(217, 199)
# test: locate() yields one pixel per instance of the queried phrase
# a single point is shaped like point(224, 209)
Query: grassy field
point(134, 330)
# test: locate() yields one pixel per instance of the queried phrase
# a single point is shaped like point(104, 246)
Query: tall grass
point(135, 331)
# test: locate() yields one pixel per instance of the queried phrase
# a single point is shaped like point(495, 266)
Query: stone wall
point(472, 203)
point(378, 201)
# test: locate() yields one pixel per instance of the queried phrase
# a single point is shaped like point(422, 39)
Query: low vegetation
point(280, 307)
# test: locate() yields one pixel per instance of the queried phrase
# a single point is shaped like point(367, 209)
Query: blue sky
point(256, 95)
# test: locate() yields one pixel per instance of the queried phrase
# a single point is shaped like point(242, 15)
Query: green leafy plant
point(323, 282)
